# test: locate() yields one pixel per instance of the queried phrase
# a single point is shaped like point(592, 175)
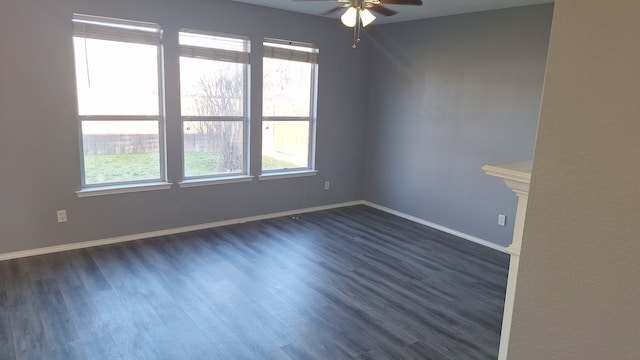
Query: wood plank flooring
point(348, 283)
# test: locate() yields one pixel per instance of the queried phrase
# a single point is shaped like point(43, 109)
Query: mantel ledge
point(516, 176)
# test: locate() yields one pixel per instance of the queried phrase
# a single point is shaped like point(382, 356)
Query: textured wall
point(578, 295)
point(449, 95)
point(443, 97)
point(40, 161)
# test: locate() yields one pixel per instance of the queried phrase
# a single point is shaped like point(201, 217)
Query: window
point(288, 108)
point(119, 88)
point(213, 87)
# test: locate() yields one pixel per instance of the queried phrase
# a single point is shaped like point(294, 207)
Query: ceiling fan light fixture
point(349, 18)
point(367, 17)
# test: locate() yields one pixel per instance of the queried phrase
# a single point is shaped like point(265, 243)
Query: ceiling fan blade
point(401, 2)
point(383, 10)
point(332, 10)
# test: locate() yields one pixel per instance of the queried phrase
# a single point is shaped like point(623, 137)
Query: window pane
point(116, 78)
point(211, 88)
point(213, 148)
point(120, 151)
point(286, 88)
point(285, 145)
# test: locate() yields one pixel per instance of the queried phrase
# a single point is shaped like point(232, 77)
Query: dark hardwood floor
point(348, 283)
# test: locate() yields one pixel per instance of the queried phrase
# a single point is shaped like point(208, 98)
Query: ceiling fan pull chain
point(356, 31)
point(356, 36)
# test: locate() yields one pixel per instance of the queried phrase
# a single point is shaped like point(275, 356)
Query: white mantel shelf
point(516, 176)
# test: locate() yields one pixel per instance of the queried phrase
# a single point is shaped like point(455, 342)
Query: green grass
point(100, 169)
point(269, 163)
point(111, 168)
point(203, 163)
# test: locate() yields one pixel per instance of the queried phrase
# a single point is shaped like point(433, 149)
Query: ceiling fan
point(359, 13)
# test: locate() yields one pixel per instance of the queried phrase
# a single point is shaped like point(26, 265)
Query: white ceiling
point(430, 8)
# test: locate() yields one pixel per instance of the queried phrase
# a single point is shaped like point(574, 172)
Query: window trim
point(127, 31)
point(290, 50)
point(120, 189)
point(236, 57)
point(215, 181)
point(287, 174)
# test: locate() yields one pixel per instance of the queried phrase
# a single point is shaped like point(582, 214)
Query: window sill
point(122, 189)
point(214, 181)
point(287, 174)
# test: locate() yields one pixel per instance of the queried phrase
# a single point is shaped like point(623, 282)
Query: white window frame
point(302, 52)
point(137, 32)
point(217, 54)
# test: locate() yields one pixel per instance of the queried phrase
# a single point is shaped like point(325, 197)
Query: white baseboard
point(151, 234)
point(459, 234)
point(184, 229)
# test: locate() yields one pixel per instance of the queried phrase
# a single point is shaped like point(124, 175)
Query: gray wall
point(578, 295)
point(39, 145)
point(429, 101)
point(447, 96)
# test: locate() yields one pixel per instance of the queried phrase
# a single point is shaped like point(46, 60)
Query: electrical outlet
point(327, 185)
point(62, 216)
point(502, 220)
